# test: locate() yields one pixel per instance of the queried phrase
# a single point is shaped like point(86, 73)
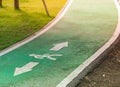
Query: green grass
point(15, 25)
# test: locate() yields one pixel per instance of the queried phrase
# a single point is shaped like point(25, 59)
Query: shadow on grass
point(42, 14)
point(19, 24)
point(2, 6)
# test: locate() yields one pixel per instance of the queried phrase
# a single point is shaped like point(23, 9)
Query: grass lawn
point(16, 25)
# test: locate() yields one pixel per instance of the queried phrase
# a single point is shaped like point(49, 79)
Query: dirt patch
point(107, 74)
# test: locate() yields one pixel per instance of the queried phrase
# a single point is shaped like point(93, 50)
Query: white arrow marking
point(26, 68)
point(59, 46)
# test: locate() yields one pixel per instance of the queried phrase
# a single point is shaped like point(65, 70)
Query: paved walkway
point(51, 57)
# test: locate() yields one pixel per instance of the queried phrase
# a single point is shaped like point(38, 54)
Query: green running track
point(86, 26)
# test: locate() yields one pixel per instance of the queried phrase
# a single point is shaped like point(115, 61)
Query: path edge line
point(82, 70)
point(40, 32)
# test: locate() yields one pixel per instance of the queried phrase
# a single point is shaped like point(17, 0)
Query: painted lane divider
point(48, 56)
point(59, 46)
point(26, 68)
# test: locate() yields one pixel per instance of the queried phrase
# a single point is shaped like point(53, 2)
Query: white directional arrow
point(59, 46)
point(26, 68)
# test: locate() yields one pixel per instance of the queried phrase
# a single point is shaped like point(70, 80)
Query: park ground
point(99, 75)
point(107, 74)
point(15, 25)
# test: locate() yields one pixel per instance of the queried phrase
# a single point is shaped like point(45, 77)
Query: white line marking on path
point(26, 68)
point(48, 56)
point(73, 78)
point(59, 46)
point(39, 33)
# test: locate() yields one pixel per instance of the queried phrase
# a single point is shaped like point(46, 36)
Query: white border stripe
point(42, 31)
point(72, 79)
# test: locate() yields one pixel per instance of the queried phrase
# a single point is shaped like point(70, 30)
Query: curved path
point(52, 56)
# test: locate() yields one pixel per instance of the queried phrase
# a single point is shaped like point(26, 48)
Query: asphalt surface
point(107, 74)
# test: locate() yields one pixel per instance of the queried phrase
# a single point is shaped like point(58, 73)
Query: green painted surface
point(86, 26)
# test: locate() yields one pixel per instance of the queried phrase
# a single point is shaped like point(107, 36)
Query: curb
point(40, 32)
point(74, 78)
